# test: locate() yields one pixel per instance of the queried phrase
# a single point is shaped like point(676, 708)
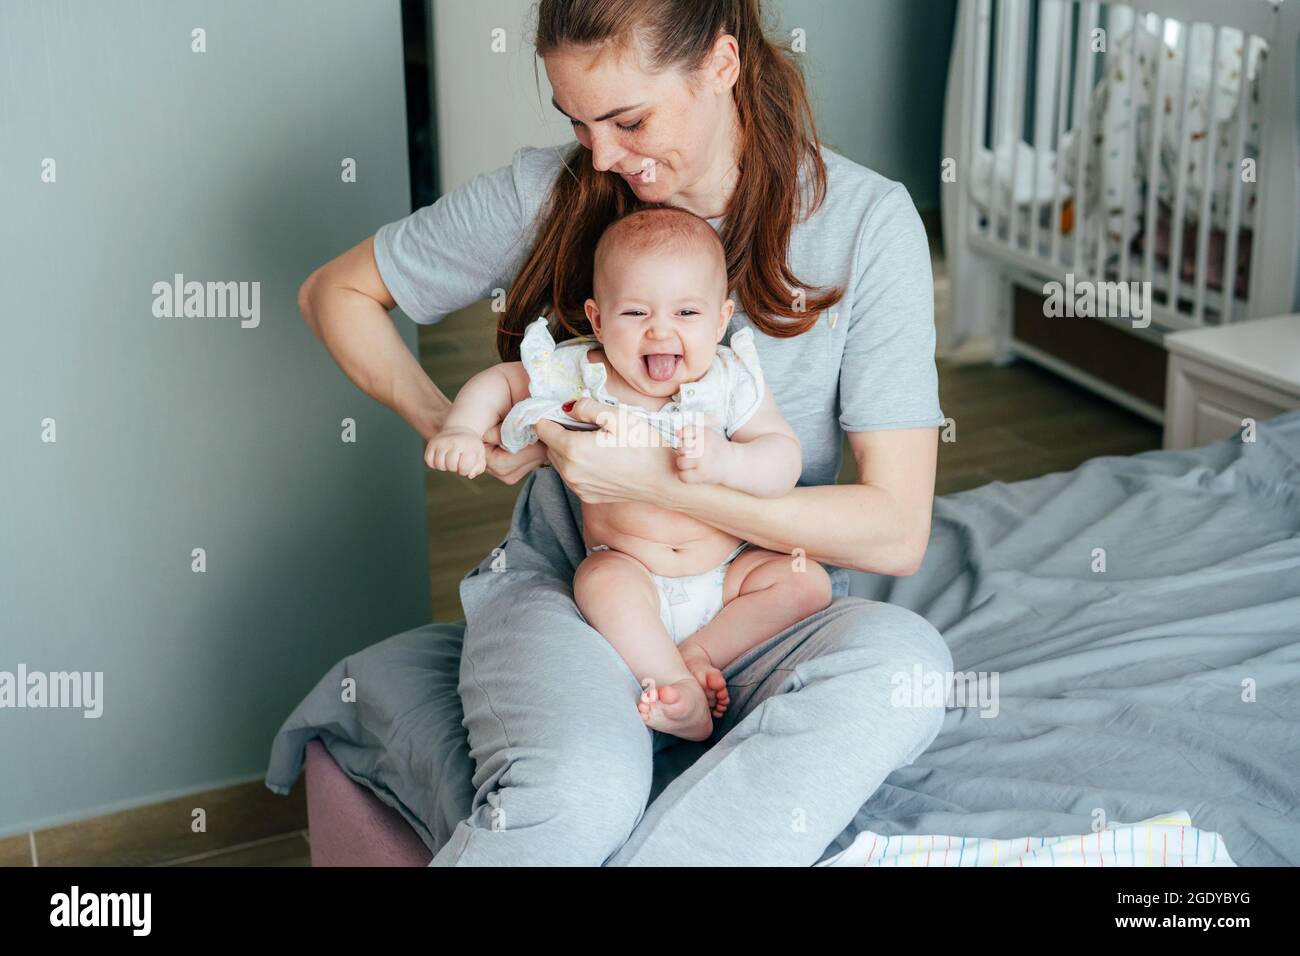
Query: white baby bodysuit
point(726, 397)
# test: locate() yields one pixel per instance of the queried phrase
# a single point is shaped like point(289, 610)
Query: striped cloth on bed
point(1166, 840)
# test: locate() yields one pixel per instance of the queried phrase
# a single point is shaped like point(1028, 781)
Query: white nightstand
point(1221, 375)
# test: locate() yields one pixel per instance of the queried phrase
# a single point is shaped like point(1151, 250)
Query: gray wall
point(183, 433)
point(877, 69)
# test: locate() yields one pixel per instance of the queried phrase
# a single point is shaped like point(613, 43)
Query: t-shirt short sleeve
point(888, 377)
point(470, 242)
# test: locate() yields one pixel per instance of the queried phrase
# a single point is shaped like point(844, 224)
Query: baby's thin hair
point(661, 227)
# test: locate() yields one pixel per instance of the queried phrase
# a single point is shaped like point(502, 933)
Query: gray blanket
point(1169, 680)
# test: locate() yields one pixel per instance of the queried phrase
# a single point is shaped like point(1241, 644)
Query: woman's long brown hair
point(778, 143)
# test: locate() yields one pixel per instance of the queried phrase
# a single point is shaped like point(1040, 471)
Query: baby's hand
point(703, 456)
point(458, 450)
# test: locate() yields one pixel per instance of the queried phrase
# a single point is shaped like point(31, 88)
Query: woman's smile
point(645, 174)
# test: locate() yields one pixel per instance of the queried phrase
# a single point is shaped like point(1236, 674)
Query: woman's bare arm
point(881, 524)
point(346, 305)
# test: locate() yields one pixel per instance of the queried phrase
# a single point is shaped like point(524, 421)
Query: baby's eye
point(688, 312)
point(632, 312)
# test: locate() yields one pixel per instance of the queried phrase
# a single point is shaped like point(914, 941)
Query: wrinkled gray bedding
point(1170, 680)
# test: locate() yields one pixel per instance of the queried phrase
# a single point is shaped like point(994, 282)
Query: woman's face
point(666, 133)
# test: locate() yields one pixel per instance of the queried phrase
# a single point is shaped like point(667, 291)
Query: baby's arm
point(480, 405)
point(763, 457)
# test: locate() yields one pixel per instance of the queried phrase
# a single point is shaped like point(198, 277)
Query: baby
point(677, 598)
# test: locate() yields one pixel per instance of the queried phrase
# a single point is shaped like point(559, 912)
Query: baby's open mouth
point(661, 366)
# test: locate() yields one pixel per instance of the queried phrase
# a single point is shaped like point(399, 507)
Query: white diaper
point(687, 603)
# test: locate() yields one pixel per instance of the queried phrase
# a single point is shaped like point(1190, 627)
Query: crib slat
point(999, 53)
point(1102, 209)
point(1082, 113)
point(979, 82)
point(969, 137)
point(1207, 192)
point(1234, 216)
point(1062, 103)
point(1040, 72)
point(1130, 147)
point(1044, 77)
point(1151, 227)
point(1180, 191)
point(1019, 47)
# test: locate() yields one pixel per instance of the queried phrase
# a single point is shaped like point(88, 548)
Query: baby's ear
point(728, 309)
point(593, 315)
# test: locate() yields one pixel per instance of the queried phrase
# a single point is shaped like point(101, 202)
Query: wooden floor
point(243, 825)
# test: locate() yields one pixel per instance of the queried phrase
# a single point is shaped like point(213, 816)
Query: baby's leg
point(763, 593)
point(618, 598)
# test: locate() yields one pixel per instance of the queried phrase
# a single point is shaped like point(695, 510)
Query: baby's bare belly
point(666, 542)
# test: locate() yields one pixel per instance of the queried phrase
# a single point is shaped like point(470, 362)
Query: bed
point(1167, 682)
point(1092, 143)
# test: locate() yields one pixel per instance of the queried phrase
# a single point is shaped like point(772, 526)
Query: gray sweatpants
point(567, 772)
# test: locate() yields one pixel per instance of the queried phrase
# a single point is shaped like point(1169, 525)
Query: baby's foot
point(709, 677)
point(679, 708)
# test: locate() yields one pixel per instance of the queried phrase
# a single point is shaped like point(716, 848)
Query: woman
point(686, 103)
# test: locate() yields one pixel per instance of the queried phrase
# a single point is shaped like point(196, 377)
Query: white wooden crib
point(1169, 157)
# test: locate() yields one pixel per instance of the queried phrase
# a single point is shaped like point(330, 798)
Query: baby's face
point(659, 317)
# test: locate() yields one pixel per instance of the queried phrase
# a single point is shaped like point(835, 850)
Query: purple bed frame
point(347, 825)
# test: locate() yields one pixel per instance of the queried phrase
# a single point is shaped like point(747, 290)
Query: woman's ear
point(593, 316)
point(723, 65)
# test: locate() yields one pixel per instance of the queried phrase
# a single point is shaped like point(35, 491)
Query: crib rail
point(1142, 168)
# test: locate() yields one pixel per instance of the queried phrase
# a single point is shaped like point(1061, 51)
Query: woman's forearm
point(881, 524)
point(767, 466)
point(852, 526)
point(362, 339)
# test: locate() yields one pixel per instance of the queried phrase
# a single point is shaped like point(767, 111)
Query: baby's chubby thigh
point(610, 584)
point(799, 583)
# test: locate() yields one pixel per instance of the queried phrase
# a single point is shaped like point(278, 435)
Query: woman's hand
point(625, 460)
point(510, 468)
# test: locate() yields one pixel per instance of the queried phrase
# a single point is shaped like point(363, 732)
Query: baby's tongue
point(661, 366)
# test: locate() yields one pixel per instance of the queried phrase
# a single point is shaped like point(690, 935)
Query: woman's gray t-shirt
point(867, 364)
